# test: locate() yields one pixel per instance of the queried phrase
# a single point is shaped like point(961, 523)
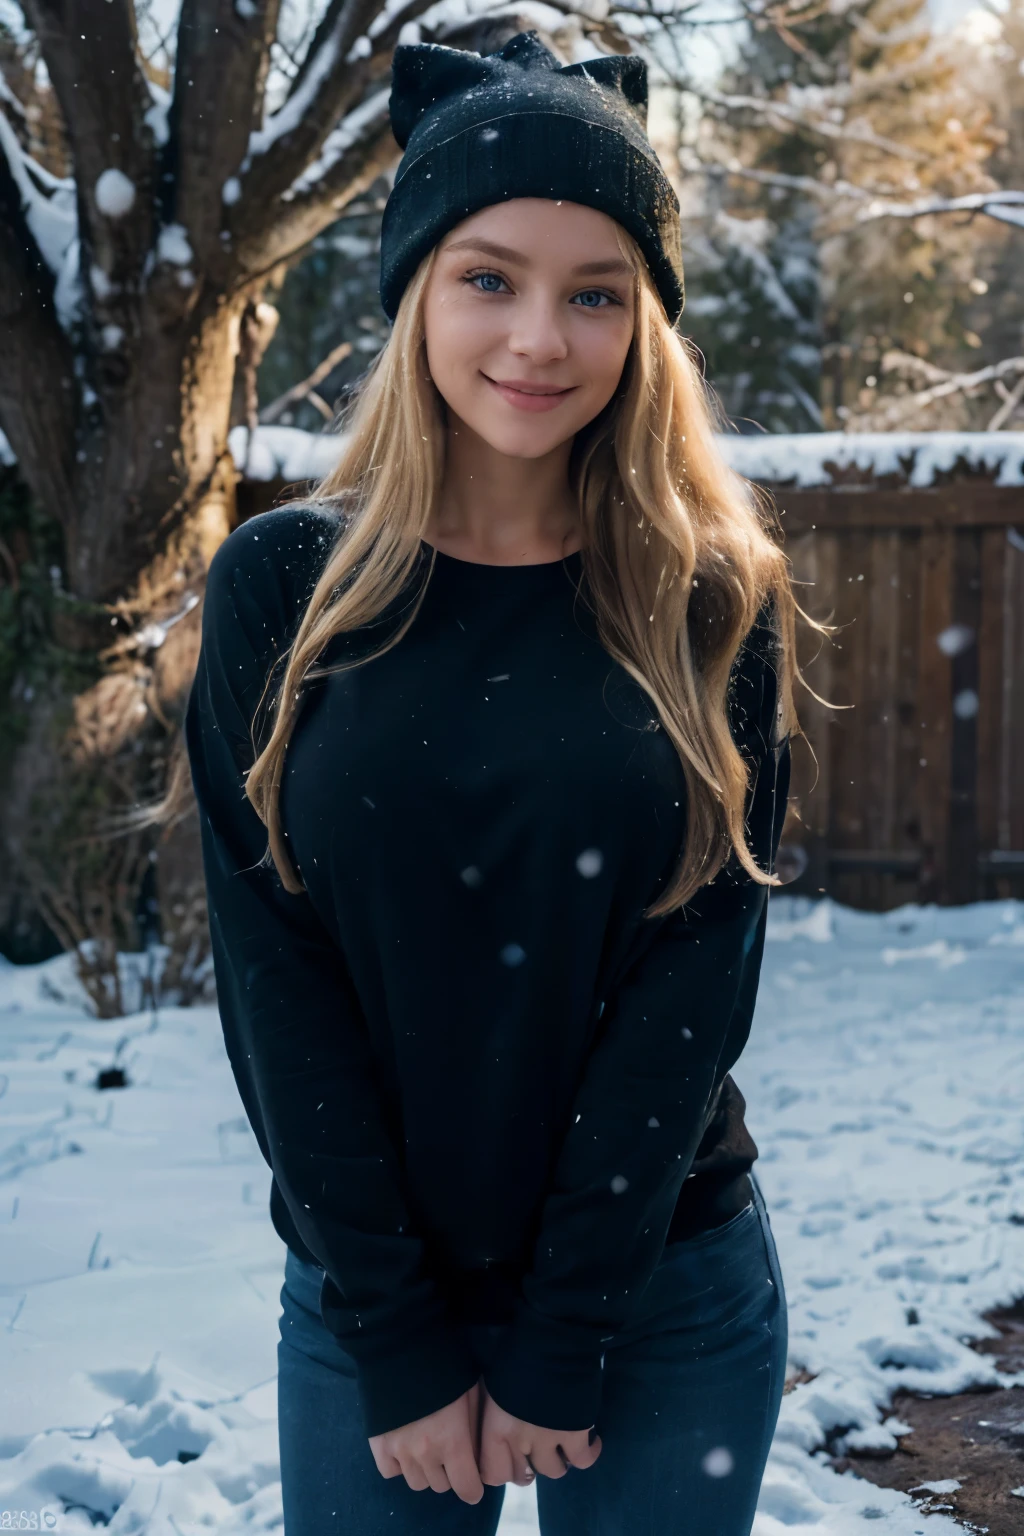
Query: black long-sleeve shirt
point(487, 1087)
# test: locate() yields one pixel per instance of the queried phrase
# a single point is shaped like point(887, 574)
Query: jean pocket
point(713, 1234)
point(302, 1282)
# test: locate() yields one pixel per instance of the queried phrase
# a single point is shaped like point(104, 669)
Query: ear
point(421, 73)
point(623, 72)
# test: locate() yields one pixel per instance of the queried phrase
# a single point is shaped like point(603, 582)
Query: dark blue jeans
point(690, 1399)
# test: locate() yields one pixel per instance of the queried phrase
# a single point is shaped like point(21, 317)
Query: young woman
point(510, 700)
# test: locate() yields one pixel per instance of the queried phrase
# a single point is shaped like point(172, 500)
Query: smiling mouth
point(531, 389)
point(530, 396)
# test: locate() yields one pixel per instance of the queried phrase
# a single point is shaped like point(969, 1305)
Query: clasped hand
point(472, 1442)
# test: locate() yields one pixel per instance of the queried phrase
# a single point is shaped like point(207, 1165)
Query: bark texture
point(131, 281)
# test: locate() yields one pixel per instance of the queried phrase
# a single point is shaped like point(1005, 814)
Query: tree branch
point(320, 40)
point(385, 38)
point(825, 191)
point(1013, 398)
point(90, 51)
point(1007, 207)
point(39, 422)
point(951, 384)
point(220, 77)
point(328, 85)
point(306, 386)
point(786, 118)
point(358, 151)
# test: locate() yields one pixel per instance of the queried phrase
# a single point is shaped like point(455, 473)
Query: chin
point(521, 444)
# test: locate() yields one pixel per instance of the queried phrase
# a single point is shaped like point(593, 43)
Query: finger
point(547, 1460)
point(414, 1474)
point(576, 1450)
point(387, 1465)
point(524, 1473)
point(476, 1407)
point(464, 1475)
point(436, 1476)
point(496, 1465)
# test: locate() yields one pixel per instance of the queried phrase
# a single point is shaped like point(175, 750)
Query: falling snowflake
point(955, 639)
point(718, 1461)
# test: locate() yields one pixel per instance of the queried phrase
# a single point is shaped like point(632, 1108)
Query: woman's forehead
point(538, 226)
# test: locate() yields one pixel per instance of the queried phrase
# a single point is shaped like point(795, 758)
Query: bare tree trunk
point(130, 285)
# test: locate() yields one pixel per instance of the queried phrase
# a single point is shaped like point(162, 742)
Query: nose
point(536, 330)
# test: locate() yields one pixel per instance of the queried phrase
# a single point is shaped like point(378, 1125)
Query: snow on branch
point(942, 383)
point(89, 50)
point(814, 114)
point(332, 81)
point(359, 124)
point(826, 191)
point(49, 209)
point(311, 81)
point(352, 157)
point(1006, 206)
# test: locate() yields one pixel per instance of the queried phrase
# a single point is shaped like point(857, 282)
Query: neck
point(502, 507)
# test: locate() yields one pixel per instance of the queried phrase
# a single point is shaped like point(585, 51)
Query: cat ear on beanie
point(421, 73)
point(622, 71)
point(479, 129)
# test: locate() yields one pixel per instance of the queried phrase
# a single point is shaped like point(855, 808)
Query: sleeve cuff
point(547, 1373)
point(412, 1374)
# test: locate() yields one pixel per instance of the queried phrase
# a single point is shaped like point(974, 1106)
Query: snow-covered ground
point(139, 1272)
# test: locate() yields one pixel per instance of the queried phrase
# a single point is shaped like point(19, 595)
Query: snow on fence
point(913, 543)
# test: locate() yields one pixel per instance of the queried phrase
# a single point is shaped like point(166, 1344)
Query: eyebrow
point(505, 253)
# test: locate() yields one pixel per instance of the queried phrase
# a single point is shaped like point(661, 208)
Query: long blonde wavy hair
point(679, 554)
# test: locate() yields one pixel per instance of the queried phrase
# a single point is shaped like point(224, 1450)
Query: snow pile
point(114, 193)
point(140, 1275)
point(173, 245)
point(283, 453)
point(801, 458)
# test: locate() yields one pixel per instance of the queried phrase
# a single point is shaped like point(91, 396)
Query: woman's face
point(529, 316)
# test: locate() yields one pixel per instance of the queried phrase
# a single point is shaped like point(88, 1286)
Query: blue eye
point(486, 281)
point(480, 277)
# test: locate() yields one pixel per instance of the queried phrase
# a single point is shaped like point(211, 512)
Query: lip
point(529, 397)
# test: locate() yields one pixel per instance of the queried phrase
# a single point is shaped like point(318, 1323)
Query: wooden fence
point(918, 792)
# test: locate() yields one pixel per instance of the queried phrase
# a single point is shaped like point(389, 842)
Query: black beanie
point(479, 129)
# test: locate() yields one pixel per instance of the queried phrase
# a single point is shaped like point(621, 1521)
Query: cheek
point(602, 352)
point(604, 347)
point(455, 340)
